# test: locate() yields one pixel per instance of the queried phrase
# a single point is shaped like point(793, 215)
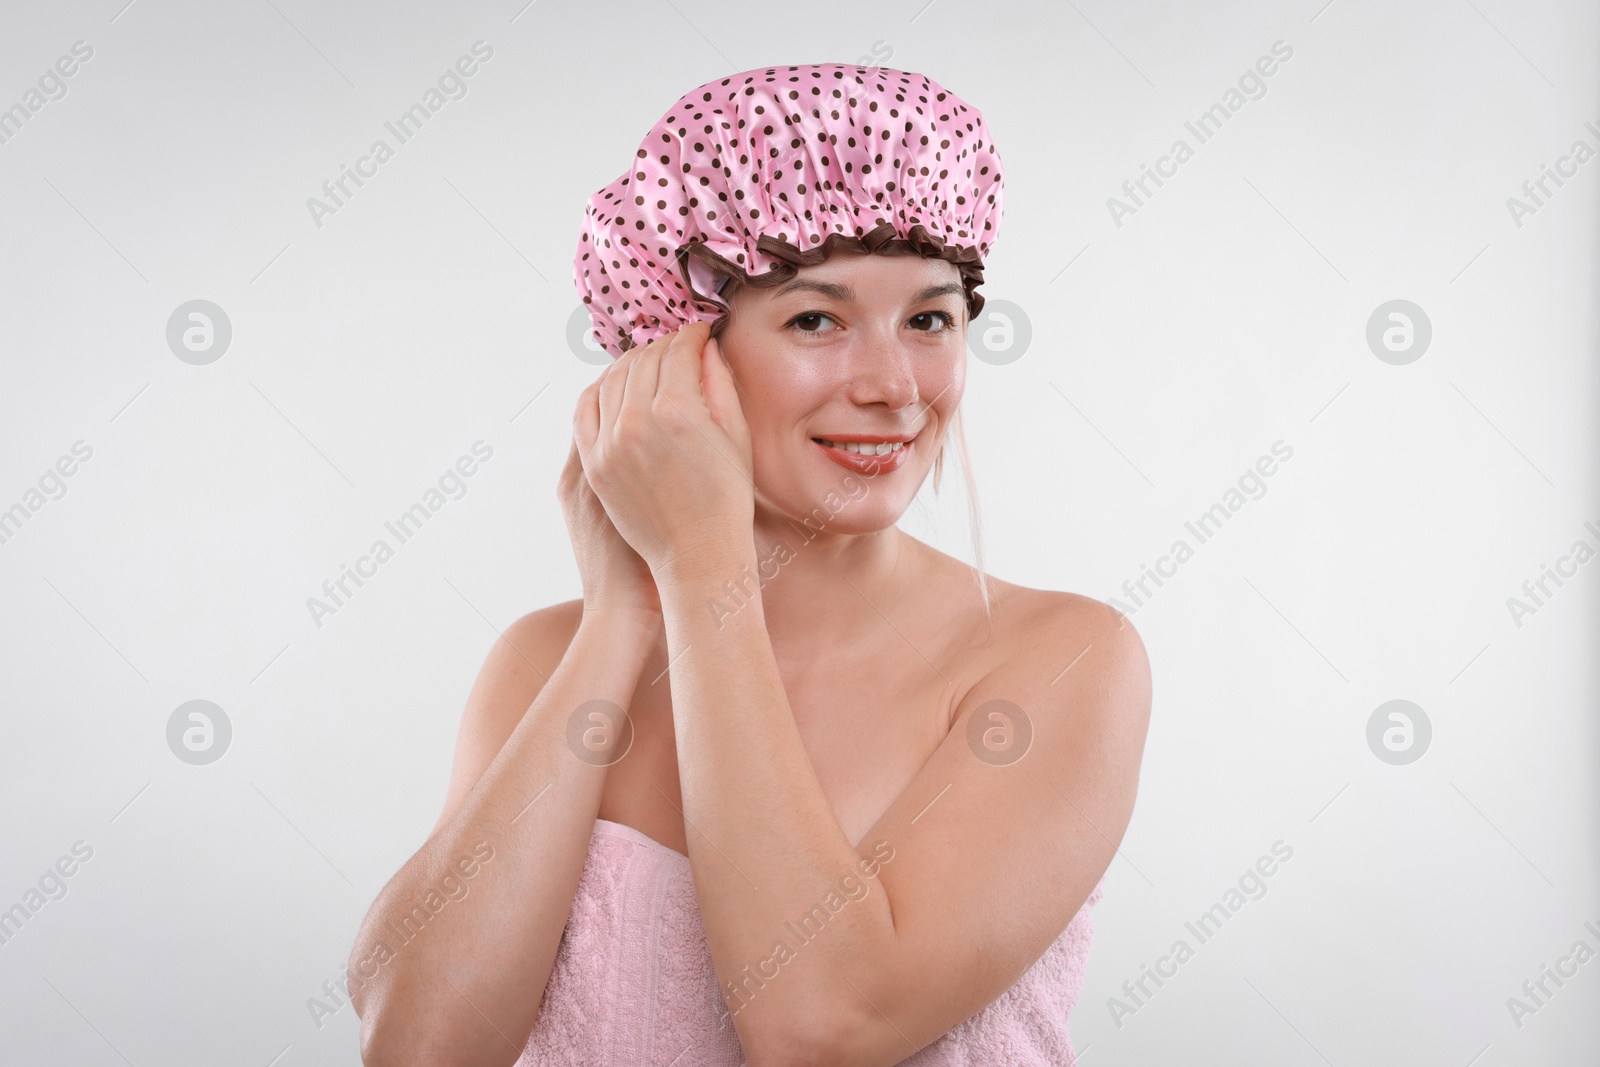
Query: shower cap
point(758, 174)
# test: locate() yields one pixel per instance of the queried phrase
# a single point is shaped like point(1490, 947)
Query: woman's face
point(861, 347)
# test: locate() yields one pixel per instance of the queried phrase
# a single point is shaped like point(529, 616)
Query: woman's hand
point(665, 446)
point(615, 578)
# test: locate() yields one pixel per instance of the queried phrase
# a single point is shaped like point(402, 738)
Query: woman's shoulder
point(514, 672)
point(1027, 630)
point(1065, 622)
point(1028, 605)
point(519, 662)
point(1020, 613)
point(552, 625)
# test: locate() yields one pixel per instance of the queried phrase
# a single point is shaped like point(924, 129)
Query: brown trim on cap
point(881, 239)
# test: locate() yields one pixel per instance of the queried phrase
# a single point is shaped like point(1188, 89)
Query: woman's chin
point(836, 500)
point(835, 510)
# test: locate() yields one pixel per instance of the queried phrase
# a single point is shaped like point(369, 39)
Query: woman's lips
point(864, 464)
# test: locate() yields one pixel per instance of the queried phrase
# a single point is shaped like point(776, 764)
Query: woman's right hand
point(616, 579)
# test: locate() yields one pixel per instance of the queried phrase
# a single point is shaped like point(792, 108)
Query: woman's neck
point(822, 590)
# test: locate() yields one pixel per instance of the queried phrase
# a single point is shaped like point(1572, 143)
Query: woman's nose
point(883, 375)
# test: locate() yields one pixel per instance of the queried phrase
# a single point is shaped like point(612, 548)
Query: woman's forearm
point(763, 838)
point(450, 968)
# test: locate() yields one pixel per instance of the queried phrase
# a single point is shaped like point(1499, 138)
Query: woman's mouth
point(867, 453)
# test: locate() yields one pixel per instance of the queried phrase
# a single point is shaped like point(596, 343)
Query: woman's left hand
point(665, 447)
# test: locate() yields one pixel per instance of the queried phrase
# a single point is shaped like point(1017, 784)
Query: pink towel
point(633, 984)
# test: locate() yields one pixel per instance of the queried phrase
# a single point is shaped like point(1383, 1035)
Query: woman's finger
point(722, 396)
point(586, 419)
point(641, 391)
point(680, 368)
point(612, 383)
point(572, 469)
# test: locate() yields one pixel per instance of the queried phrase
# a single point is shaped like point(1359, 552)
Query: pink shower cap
point(756, 175)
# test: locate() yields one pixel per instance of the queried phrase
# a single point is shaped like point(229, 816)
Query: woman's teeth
point(865, 449)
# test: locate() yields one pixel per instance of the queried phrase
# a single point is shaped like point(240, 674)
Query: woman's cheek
point(947, 382)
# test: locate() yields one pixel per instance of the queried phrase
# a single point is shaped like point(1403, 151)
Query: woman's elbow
point(382, 1045)
point(789, 1046)
point(390, 1035)
point(397, 1033)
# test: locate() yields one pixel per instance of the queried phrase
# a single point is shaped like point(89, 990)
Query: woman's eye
point(949, 322)
point(799, 320)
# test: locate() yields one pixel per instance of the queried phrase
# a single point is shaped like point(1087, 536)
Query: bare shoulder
point(517, 666)
point(1042, 646)
point(1069, 681)
point(541, 631)
point(518, 663)
point(1052, 614)
point(514, 671)
point(1066, 645)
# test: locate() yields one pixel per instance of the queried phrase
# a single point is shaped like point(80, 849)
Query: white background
point(1168, 353)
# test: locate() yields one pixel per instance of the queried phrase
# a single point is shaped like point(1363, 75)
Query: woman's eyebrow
point(846, 294)
point(950, 288)
point(829, 289)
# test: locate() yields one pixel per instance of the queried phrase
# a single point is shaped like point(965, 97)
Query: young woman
point(787, 786)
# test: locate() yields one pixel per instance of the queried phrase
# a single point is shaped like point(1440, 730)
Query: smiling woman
point(810, 316)
point(865, 817)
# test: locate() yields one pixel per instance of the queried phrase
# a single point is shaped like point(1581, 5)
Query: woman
point(859, 803)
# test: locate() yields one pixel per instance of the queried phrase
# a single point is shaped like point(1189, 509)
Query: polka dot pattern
point(755, 175)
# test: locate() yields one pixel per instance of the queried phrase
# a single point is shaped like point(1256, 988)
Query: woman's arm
point(970, 874)
point(450, 966)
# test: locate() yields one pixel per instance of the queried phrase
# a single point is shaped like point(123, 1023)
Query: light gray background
point(1168, 354)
